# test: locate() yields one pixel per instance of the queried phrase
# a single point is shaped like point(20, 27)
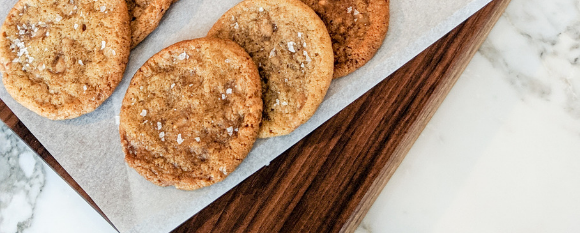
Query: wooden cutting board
point(328, 180)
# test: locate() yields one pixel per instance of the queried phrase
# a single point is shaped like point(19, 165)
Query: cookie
point(191, 113)
point(357, 29)
point(62, 59)
point(293, 51)
point(145, 16)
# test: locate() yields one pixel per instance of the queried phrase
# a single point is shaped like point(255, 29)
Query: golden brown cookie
point(192, 113)
point(62, 59)
point(292, 49)
point(357, 29)
point(145, 16)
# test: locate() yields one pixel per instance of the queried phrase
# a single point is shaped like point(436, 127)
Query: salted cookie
point(62, 59)
point(145, 16)
point(191, 113)
point(357, 29)
point(293, 51)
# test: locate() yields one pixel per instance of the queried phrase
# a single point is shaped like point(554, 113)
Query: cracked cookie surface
point(292, 49)
point(357, 29)
point(62, 59)
point(191, 113)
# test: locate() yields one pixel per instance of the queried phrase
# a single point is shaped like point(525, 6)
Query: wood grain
point(328, 180)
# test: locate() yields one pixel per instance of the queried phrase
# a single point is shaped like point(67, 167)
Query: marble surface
point(502, 154)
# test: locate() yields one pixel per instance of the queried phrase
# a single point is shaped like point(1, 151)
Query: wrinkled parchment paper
point(89, 148)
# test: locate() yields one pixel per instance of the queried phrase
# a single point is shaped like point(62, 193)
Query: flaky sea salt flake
point(291, 46)
point(103, 43)
point(179, 139)
point(197, 139)
point(348, 10)
point(229, 91)
point(103, 8)
point(143, 113)
point(272, 53)
point(306, 55)
point(183, 56)
point(230, 130)
point(81, 63)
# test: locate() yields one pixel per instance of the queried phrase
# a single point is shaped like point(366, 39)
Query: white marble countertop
point(502, 153)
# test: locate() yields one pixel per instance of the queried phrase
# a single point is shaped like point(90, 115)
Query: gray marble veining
point(21, 181)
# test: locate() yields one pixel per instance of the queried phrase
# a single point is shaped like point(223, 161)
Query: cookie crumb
point(143, 113)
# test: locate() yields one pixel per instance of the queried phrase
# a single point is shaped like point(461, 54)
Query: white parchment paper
point(89, 148)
